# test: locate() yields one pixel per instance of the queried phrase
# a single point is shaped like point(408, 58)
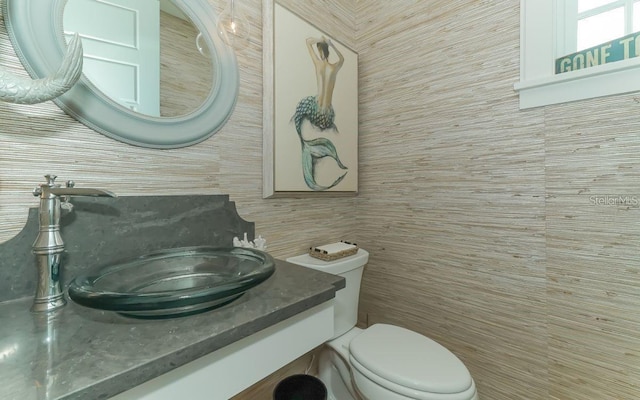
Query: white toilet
point(382, 362)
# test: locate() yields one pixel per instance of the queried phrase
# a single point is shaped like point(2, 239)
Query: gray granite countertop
point(81, 353)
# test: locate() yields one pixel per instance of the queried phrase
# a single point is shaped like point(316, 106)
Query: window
point(567, 53)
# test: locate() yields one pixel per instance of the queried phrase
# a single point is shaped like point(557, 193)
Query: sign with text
point(616, 50)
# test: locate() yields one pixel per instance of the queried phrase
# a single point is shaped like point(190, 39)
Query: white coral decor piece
point(18, 90)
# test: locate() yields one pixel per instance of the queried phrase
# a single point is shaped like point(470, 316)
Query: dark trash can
point(300, 387)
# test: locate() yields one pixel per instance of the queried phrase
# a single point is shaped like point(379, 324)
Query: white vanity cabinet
point(226, 372)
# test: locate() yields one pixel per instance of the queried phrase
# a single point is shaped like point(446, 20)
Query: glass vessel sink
point(173, 282)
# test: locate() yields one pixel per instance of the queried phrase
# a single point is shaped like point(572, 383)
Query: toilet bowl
point(382, 362)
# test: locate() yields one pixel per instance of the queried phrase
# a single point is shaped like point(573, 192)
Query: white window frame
point(540, 86)
point(568, 17)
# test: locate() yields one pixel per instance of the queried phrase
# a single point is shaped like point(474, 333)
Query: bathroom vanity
point(83, 353)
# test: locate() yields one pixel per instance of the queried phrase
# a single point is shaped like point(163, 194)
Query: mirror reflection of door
point(586, 23)
point(121, 46)
point(164, 75)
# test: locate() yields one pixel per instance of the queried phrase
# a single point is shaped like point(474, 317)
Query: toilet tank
point(346, 301)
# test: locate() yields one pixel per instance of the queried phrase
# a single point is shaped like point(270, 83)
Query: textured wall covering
point(481, 218)
point(484, 222)
point(42, 139)
point(185, 75)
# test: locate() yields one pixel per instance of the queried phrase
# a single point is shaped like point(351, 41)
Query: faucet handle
point(51, 179)
point(51, 182)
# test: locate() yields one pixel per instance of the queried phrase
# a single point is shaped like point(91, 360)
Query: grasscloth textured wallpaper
point(509, 236)
point(493, 230)
point(41, 139)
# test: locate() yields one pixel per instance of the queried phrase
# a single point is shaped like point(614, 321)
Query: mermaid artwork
point(319, 112)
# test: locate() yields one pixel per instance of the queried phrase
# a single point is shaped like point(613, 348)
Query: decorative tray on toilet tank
point(333, 251)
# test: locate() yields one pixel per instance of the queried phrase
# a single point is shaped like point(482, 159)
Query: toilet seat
point(409, 364)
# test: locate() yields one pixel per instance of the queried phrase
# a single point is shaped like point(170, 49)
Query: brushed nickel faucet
point(48, 246)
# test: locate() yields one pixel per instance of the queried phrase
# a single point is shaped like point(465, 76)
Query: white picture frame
point(310, 117)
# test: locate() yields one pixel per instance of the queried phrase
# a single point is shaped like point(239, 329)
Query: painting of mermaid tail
point(312, 152)
point(311, 91)
point(308, 109)
point(316, 149)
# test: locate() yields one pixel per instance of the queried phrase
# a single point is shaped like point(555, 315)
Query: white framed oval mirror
point(37, 29)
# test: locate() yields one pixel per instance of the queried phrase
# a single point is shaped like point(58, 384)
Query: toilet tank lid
point(409, 359)
point(335, 267)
